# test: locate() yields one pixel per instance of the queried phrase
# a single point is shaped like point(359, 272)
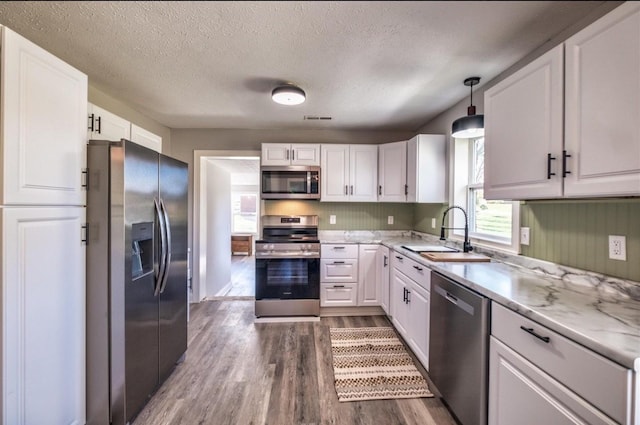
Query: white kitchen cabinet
point(43, 310)
point(338, 275)
point(524, 132)
point(44, 111)
point(539, 376)
point(290, 154)
point(348, 173)
point(392, 172)
point(426, 169)
point(103, 125)
point(383, 270)
point(551, 134)
point(146, 138)
point(410, 301)
point(602, 106)
point(369, 283)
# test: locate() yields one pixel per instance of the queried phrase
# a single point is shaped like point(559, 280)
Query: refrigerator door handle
point(163, 248)
point(167, 263)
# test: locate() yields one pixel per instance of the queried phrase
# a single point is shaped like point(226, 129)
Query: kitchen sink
point(429, 248)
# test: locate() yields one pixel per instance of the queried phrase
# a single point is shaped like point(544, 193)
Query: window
point(492, 223)
point(244, 212)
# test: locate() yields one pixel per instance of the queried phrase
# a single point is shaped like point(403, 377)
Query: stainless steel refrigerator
point(136, 276)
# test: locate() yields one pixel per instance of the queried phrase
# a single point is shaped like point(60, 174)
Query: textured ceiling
point(373, 65)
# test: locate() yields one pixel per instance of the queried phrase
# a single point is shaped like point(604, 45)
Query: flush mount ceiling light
point(472, 125)
point(288, 95)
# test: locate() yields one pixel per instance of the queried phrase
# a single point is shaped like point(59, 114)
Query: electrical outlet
point(617, 248)
point(332, 219)
point(390, 219)
point(524, 236)
point(433, 223)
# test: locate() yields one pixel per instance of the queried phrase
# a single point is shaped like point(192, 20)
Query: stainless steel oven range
point(288, 267)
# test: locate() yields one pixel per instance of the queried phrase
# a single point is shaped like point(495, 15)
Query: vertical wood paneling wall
point(576, 234)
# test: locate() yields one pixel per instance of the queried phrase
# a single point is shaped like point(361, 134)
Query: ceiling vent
point(316, 118)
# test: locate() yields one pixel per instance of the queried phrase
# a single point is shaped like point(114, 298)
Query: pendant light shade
point(288, 95)
point(472, 125)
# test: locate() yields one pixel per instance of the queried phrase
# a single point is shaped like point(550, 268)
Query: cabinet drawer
point(338, 270)
point(598, 380)
point(338, 294)
point(419, 273)
point(339, 251)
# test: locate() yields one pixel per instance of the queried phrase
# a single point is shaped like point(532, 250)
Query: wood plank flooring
point(240, 372)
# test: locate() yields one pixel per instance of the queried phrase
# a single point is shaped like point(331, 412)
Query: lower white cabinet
point(383, 267)
point(43, 315)
point(338, 275)
point(369, 283)
point(537, 376)
point(338, 294)
point(410, 302)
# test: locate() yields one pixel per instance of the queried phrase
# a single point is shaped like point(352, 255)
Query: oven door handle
point(286, 256)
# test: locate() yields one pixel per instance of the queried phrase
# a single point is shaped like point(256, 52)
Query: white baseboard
point(351, 311)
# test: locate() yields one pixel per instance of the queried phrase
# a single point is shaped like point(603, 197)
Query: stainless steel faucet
point(466, 246)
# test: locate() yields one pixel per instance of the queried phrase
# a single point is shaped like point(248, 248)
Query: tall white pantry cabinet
point(43, 113)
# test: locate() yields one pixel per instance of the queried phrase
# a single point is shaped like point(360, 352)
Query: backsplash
point(575, 233)
point(423, 213)
point(349, 215)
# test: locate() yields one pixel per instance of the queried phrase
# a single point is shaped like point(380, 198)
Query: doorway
point(226, 203)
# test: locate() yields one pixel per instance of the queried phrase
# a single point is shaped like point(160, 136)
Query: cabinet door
point(334, 174)
point(43, 305)
point(399, 308)
point(44, 124)
point(419, 323)
point(276, 154)
point(524, 131)
point(363, 173)
point(603, 106)
point(392, 172)
point(103, 125)
point(520, 393)
point(426, 168)
point(342, 270)
point(305, 154)
point(368, 282)
point(383, 267)
point(146, 138)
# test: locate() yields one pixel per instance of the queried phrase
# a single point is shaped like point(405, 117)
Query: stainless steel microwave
point(290, 182)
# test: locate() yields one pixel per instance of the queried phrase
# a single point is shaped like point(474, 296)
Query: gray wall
point(218, 229)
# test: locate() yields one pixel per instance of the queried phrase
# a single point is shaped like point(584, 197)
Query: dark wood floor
point(240, 372)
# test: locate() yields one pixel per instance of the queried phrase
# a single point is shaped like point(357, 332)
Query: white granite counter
point(598, 312)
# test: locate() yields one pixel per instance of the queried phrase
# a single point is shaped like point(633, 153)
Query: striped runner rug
point(372, 364)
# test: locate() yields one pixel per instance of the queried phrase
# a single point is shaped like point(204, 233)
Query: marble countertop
point(594, 315)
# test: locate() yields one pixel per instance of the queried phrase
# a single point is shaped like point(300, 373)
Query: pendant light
point(288, 95)
point(472, 125)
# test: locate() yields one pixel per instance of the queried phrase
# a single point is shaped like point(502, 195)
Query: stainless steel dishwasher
point(458, 348)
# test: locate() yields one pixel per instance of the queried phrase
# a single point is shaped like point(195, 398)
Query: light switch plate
point(332, 219)
point(524, 236)
point(390, 219)
point(433, 223)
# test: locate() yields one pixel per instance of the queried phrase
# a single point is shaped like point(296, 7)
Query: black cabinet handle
point(91, 122)
point(408, 299)
point(338, 262)
point(379, 190)
point(338, 286)
point(346, 189)
point(404, 295)
point(338, 247)
point(532, 332)
point(293, 155)
point(406, 189)
point(98, 130)
point(386, 261)
point(418, 268)
point(399, 258)
point(549, 159)
point(565, 155)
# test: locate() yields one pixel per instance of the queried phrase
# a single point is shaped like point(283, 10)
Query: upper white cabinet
point(536, 148)
point(602, 118)
point(290, 154)
point(523, 132)
point(103, 125)
point(349, 173)
point(146, 138)
point(426, 169)
point(392, 172)
point(44, 110)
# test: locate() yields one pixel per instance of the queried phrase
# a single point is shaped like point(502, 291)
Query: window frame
point(241, 192)
point(462, 163)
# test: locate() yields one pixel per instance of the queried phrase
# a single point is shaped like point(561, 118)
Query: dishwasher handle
point(451, 298)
